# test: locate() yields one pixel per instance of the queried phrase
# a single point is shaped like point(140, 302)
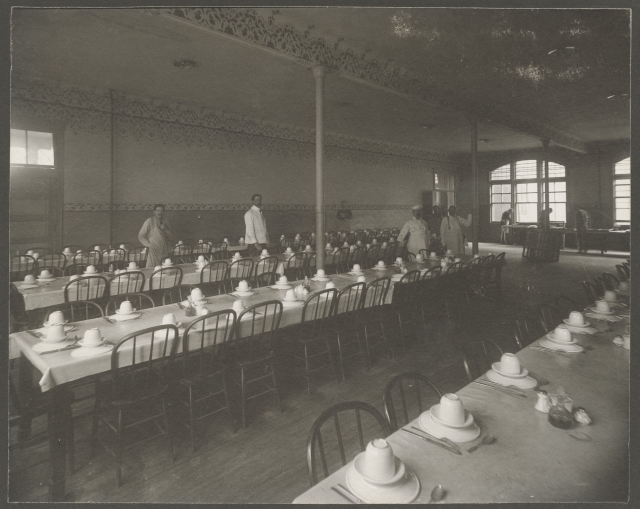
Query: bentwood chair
point(623, 275)
point(316, 341)
point(198, 249)
point(239, 270)
point(371, 317)
point(598, 282)
point(58, 260)
point(129, 282)
point(591, 292)
point(332, 426)
point(477, 357)
point(79, 310)
point(550, 316)
point(345, 323)
point(41, 251)
point(521, 332)
point(138, 255)
point(610, 281)
point(86, 258)
point(86, 288)
point(265, 271)
point(565, 304)
point(372, 256)
point(138, 301)
point(400, 385)
point(181, 254)
point(203, 384)
point(136, 392)
point(294, 266)
point(358, 256)
point(21, 266)
point(340, 263)
point(162, 280)
point(252, 355)
point(405, 303)
point(212, 276)
point(219, 251)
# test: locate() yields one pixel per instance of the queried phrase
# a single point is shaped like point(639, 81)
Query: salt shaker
point(542, 405)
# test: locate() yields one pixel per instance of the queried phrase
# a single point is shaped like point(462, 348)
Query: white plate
point(402, 492)
point(124, 318)
point(47, 347)
point(435, 414)
point(46, 279)
point(28, 286)
point(91, 352)
point(47, 324)
point(319, 279)
point(247, 290)
point(243, 294)
point(520, 383)
point(551, 336)
point(399, 467)
point(618, 341)
point(555, 346)
point(281, 287)
point(606, 313)
point(377, 267)
point(81, 343)
point(460, 435)
point(586, 324)
point(496, 367)
point(125, 314)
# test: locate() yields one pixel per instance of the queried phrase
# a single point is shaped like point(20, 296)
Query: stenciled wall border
point(131, 207)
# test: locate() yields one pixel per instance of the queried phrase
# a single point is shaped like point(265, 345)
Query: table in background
point(531, 461)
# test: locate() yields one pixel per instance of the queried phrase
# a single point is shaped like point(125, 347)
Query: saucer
point(402, 492)
point(319, 279)
point(586, 324)
point(460, 435)
point(606, 313)
point(399, 466)
point(521, 383)
point(496, 367)
point(618, 341)
point(545, 343)
point(125, 314)
point(200, 302)
point(551, 337)
point(28, 286)
point(356, 273)
point(47, 324)
point(124, 318)
point(435, 415)
point(282, 287)
point(90, 352)
point(47, 347)
point(242, 291)
point(377, 267)
point(101, 343)
point(243, 294)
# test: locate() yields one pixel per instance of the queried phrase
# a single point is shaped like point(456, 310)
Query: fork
point(446, 440)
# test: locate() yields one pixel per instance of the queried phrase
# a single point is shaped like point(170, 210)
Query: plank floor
point(265, 463)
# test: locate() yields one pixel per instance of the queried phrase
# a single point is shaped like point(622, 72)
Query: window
point(528, 187)
point(31, 148)
point(622, 192)
point(444, 190)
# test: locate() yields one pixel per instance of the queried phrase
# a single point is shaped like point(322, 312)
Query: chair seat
point(105, 391)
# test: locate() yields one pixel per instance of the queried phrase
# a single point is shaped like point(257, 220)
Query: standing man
point(256, 226)
point(418, 231)
point(451, 232)
point(154, 235)
point(582, 227)
point(505, 220)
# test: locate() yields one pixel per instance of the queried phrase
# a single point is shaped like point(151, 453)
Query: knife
point(435, 442)
point(348, 499)
point(559, 352)
point(70, 347)
point(445, 440)
point(500, 388)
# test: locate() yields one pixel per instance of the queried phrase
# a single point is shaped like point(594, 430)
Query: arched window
point(622, 192)
point(500, 192)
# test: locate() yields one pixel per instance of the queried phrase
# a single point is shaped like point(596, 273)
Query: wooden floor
point(265, 463)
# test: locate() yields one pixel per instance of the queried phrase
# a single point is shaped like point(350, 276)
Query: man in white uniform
point(451, 233)
point(256, 226)
point(418, 231)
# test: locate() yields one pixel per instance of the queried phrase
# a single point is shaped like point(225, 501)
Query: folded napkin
point(579, 330)
point(608, 318)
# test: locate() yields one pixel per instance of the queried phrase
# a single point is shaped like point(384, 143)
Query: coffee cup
point(225, 240)
point(451, 410)
point(576, 318)
point(356, 268)
point(352, 248)
point(122, 246)
point(36, 256)
point(79, 251)
point(623, 286)
point(449, 252)
point(328, 246)
point(320, 273)
point(96, 248)
point(562, 334)
point(379, 460)
point(490, 253)
point(313, 234)
point(45, 274)
point(476, 255)
point(238, 306)
point(56, 317)
point(374, 241)
point(243, 286)
point(201, 258)
point(384, 244)
point(457, 259)
point(132, 266)
point(91, 269)
point(602, 306)
point(283, 280)
point(237, 255)
point(92, 337)
point(157, 267)
point(29, 279)
point(169, 319)
point(265, 252)
point(330, 284)
point(297, 235)
point(288, 250)
point(126, 308)
point(610, 296)
point(54, 333)
point(346, 244)
point(368, 246)
point(167, 262)
point(196, 294)
point(362, 279)
point(180, 242)
point(67, 250)
point(399, 260)
point(202, 265)
point(308, 248)
point(433, 254)
point(510, 364)
point(359, 242)
point(30, 252)
point(200, 241)
point(381, 263)
point(290, 295)
point(241, 240)
point(419, 257)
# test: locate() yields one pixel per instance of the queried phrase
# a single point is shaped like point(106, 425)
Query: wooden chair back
point(478, 357)
point(85, 288)
point(138, 301)
point(403, 384)
point(165, 277)
point(205, 339)
point(129, 282)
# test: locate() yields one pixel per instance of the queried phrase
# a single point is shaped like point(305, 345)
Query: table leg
point(59, 413)
point(25, 389)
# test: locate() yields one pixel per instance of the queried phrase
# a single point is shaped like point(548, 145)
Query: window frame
point(615, 178)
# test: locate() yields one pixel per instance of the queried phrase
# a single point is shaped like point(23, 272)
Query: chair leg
point(242, 397)
point(335, 371)
point(226, 399)
point(401, 334)
point(275, 387)
point(70, 448)
point(340, 358)
point(94, 426)
point(306, 369)
point(119, 451)
point(192, 421)
point(366, 344)
point(166, 423)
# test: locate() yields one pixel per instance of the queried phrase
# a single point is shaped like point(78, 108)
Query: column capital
point(319, 71)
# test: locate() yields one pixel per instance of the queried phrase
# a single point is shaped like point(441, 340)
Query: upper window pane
point(527, 169)
point(556, 171)
point(623, 167)
point(502, 173)
point(31, 147)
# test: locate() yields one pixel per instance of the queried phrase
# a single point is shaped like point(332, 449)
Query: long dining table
point(531, 461)
point(61, 368)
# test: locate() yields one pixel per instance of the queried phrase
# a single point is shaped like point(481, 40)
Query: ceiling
point(521, 72)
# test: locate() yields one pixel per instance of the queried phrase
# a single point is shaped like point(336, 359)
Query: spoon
point(487, 440)
point(437, 494)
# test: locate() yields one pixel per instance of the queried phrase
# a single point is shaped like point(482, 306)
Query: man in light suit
point(256, 225)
